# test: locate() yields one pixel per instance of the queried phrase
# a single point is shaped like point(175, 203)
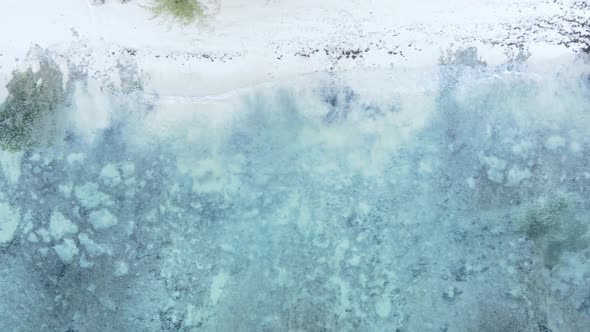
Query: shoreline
point(246, 44)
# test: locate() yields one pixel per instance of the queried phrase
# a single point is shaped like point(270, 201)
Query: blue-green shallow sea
point(451, 202)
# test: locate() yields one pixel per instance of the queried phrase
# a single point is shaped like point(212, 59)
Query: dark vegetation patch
point(30, 115)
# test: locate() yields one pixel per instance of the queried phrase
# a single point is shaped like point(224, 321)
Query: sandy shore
point(243, 43)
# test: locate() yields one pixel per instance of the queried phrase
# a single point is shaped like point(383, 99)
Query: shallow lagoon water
point(450, 199)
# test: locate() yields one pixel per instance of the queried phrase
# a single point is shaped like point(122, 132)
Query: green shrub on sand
point(185, 11)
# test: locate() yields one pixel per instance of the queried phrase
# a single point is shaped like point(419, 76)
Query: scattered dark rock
point(451, 293)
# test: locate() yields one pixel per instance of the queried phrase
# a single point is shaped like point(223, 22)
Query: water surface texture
point(452, 198)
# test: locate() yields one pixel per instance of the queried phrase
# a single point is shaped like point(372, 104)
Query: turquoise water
point(447, 199)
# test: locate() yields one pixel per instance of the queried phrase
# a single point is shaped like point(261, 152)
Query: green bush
point(29, 116)
point(184, 10)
